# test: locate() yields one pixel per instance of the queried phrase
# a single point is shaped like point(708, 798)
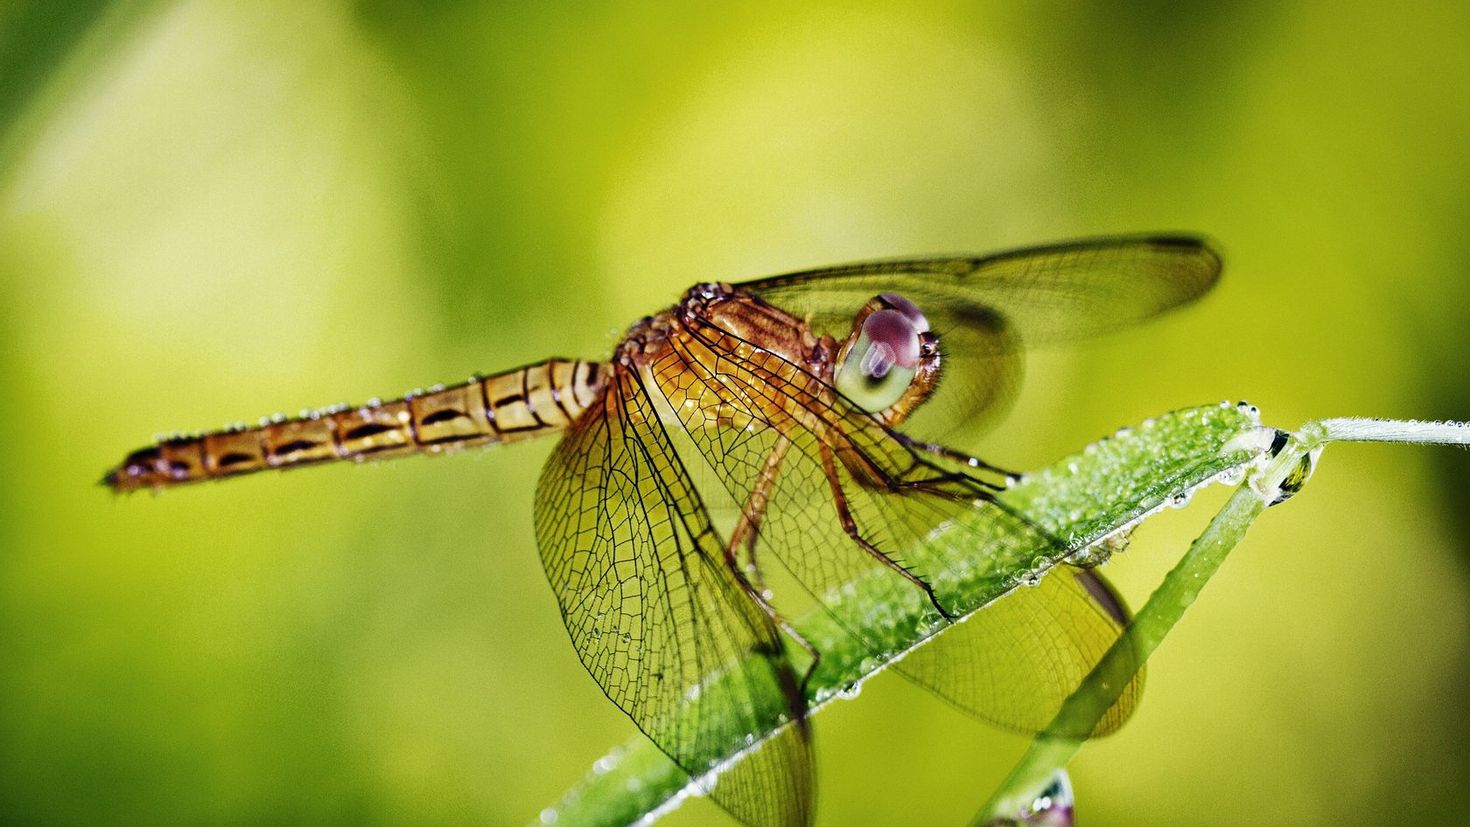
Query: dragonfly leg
point(849, 525)
point(960, 457)
point(978, 488)
point(747, 528)
point(941, 481)
point(973, 488)
point(781, 623)
point(747, 532)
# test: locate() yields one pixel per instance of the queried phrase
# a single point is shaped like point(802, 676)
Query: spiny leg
point(977, 488)
point(849, 525)
point(957, 456)
point(747, 528)
point(974, 489)
point(747, 532)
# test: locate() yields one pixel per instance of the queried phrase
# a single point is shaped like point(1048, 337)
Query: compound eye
point(910, 310)
point(881, 364)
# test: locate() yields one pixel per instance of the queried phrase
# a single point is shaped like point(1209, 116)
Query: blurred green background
point(212, 211)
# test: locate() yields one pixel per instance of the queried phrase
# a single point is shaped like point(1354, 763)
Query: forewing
point(658, 618)
point(1014, 662)
point(986, 308)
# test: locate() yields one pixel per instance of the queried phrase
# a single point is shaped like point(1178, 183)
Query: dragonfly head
point(889, 364)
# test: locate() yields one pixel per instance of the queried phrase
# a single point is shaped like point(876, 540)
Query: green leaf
point(1084, 499)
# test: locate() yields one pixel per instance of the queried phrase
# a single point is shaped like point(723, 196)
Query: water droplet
point(1091, 556)
point(435, 388)
point(1053, 805)
point(1297, 477)
point(1180, 500)
point(849, 692)
point(549, 815)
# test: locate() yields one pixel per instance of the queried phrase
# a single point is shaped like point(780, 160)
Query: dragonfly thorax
point(754, 325)
point(887, 365)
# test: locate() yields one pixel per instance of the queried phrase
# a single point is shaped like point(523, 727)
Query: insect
point(792, 421)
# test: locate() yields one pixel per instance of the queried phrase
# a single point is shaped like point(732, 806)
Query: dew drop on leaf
point(1053, 806)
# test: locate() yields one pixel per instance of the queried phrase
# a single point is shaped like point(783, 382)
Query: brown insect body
point(532, 401)
point(717, 321)
point(720, 319)
point(516, 405)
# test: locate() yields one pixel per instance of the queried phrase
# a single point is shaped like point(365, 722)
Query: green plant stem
point(1351, 429)
point(1092, 699)
point(1264, 486)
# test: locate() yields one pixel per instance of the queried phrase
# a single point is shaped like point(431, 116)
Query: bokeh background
point(213, 211)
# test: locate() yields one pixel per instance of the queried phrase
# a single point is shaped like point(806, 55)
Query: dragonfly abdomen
point(528, 402)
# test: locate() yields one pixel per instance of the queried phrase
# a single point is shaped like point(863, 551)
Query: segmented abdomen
point(520, 404)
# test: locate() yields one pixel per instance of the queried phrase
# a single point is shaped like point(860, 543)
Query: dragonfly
point(794, 421)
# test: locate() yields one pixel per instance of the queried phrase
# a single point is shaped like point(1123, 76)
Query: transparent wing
point(658, 619)
point(1014, 662)
point(849, 501)
point(987, 308)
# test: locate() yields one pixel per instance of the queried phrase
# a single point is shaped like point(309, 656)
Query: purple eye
point(882, 360)
point(910, 310)
point(894, 340)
